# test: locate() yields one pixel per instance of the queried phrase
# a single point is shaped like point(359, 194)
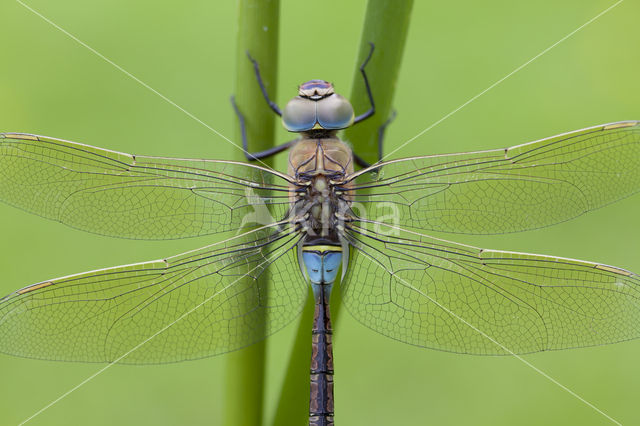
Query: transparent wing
point(197, 304)
point(118, 194)
point(442, 295)
point(505, 190)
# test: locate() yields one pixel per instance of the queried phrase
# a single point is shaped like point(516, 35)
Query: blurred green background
point(51, 85)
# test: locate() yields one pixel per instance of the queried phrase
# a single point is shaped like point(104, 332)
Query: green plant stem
point(258, 35)
point(386, 25)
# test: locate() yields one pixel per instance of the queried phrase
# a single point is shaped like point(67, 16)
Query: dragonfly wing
point(442, 295)
point(118, 194)
point(506, 190)
point(197, 304)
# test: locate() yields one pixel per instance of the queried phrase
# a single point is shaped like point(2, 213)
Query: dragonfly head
point(315, 89)
point(317, 107)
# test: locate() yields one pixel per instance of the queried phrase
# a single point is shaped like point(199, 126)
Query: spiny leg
point(272, 104)
point(372, 109)
point(253, 156)
point(362, 163)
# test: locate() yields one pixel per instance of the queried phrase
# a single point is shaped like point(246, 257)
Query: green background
point(51, 85)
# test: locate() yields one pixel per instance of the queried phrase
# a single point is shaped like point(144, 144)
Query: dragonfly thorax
point(318, 199)
point(318, 209)
point(321, 250)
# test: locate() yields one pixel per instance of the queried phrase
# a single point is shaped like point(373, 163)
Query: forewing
point(505, 190)
point(118, 194)
point(197, 304)
point(447, 296)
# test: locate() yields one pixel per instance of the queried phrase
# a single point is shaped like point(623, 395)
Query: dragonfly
point(321, 220)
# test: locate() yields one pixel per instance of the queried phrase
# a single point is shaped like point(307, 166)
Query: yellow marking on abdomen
point(322, 248)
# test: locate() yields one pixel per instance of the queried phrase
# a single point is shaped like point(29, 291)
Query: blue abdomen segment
point(322, 263)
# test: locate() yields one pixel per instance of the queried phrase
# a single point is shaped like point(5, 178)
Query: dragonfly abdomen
point(322, 263)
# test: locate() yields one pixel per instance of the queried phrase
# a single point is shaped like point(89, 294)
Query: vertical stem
point(293, 403)
point(257, 34)
point(386, 25)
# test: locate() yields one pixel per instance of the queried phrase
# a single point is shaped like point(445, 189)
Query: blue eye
point(299, 115)
point(334, 112)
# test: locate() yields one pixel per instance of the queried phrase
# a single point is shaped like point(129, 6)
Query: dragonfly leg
point(381, 131)
point(372, 109)
point(252, 156)
point(256, 68)
point(362, 163)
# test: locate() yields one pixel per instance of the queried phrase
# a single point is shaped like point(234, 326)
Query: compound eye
point(299, 115)
point(335, 112)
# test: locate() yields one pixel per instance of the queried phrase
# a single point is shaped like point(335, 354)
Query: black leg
point(252, 156)
point(381, 131)
point(269, 152)
point(371, 110)
point(272, 104)
point(358, 160)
